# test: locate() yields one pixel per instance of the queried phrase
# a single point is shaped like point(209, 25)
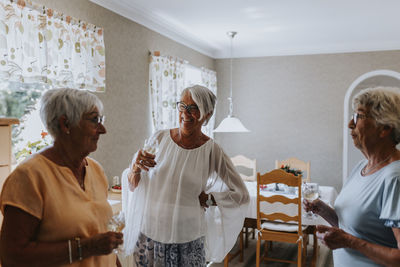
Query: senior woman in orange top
point(55, 203)
point(167, 224)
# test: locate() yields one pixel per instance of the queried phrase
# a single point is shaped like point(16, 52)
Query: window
point(192, 75)
point(46, 49)
point(21, 100)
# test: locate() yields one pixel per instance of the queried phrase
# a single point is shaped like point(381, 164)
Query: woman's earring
point(68, 132)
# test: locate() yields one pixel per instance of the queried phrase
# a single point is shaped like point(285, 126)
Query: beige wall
point(293, 106)
point(126, 98)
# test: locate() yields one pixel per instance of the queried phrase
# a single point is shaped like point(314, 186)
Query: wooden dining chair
point(243, 163)
point(296, 164)
point(246, 167)
point(280, 226)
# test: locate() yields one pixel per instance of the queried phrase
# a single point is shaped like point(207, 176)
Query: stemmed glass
point(151, 145)
point(310, 193)
point(116, 224)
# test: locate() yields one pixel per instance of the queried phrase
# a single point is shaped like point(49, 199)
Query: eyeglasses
point(357, 116)
point(190, 108)
point(97, 120)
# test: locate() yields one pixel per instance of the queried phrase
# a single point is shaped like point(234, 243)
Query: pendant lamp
point(231, 124)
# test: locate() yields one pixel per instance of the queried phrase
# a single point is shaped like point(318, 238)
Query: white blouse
point(165, 206)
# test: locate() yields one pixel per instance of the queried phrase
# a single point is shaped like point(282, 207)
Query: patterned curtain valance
point(38, 44)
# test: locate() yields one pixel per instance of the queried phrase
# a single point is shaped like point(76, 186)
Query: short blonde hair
point(384, 107)
point(72, 103)
point(204, 99)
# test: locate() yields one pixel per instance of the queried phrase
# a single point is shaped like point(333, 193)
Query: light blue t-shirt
point(368, 207)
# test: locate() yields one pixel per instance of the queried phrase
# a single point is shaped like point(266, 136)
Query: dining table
point(327, 194)
point(115, 201)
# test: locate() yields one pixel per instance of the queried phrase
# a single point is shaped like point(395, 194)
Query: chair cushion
point(283, 227)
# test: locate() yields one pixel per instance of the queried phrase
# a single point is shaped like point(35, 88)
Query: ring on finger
point(141, 161)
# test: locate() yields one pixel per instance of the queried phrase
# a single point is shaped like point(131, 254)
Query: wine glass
point(151, 145)
point(116, 224)
point(310, 193)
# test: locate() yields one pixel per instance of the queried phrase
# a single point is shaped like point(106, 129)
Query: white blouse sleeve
point(224, 221)
point(133, 203)
point(133, 208)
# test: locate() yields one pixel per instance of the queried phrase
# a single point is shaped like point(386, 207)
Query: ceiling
point(269, 28)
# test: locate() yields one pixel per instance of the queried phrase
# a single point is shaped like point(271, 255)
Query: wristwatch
point(209, 201)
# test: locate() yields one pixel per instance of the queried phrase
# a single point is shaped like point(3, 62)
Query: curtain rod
point(158, 54)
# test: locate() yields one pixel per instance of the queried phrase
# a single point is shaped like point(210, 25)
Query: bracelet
point(69, 251)
point(78, 242)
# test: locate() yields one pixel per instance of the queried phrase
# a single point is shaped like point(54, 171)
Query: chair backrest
point(297, 164)
point(282, 177)
point(251, 164)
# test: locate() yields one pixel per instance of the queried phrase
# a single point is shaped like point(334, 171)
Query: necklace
point(78, 173)
point(179, 142)
point(185, 146)
point(364, 172)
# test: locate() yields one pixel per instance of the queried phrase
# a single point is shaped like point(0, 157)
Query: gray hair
point(204, 99)
point(384, 107)
point(72, 103)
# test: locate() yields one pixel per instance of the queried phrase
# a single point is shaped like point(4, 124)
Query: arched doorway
point(351, 155)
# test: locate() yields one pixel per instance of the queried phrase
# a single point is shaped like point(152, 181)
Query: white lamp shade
point(231, 125)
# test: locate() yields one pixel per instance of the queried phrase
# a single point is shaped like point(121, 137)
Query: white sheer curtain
point(40, 45)
point(168, 77)
point(209, 80)
point(166, 83)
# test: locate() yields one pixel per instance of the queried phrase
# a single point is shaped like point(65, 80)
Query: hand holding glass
point(116, 224)
point(151, 146)
point(310, 193)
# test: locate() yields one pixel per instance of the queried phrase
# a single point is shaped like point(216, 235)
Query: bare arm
point(322, 209)
point(133, 179)
point(337, 238)
point(19, 247)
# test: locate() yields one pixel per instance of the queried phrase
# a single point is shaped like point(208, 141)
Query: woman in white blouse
point(171, 220)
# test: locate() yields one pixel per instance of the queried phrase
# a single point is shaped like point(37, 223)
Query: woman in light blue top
point(366, 220)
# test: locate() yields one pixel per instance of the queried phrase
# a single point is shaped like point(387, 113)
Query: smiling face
point(366, 133)
point(86, 134)
point(190, 122)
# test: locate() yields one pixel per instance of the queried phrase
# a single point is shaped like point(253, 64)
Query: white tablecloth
point(328, 194)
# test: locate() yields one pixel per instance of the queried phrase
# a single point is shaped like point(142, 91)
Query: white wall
point(294, 107)
point(293, 104)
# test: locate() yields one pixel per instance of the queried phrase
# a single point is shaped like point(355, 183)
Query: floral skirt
point(149, 253)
